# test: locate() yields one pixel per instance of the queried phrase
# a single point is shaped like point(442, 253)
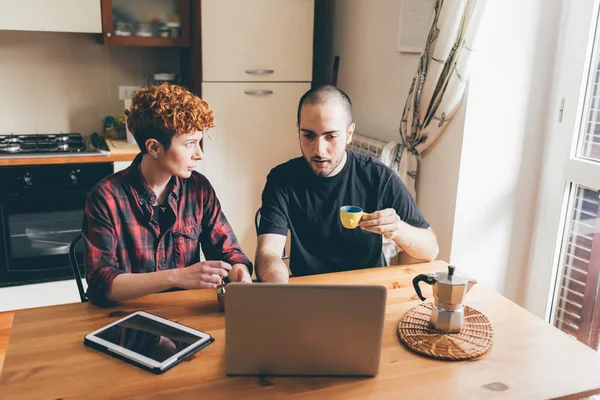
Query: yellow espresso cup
point(350, 216)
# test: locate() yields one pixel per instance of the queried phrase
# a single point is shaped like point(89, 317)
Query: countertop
point(120, 150)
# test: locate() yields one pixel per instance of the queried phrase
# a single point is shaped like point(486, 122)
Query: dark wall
point(323, 41)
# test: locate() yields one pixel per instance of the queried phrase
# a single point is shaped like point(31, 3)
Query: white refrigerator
point(256, 64)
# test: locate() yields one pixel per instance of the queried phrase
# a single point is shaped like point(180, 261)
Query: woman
point(145, 227)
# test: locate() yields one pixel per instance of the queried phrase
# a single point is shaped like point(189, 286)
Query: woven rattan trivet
point(473, 340)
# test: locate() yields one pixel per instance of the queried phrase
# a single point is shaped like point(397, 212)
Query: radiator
point(377, 149)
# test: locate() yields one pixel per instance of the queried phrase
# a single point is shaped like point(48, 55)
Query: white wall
point(503, 140)
point(437, 183)
point(377, 79)
point(67, 82)
point(371, 71)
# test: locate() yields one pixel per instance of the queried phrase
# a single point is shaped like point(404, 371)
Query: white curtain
point(439, 83)
point(437, 88)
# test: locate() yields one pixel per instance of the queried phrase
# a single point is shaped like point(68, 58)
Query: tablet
point(148, 341)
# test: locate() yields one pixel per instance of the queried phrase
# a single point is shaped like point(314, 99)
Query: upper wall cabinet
point(81, 16)
point(258, 40)
point(146, 22)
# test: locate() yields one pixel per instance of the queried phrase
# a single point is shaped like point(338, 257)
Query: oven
point(41, 211)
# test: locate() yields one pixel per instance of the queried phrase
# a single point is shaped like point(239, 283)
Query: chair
point(77, 271)
point(284, 256)
point(75, 267)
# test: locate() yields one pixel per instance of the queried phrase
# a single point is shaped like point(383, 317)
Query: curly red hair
point(165, 111)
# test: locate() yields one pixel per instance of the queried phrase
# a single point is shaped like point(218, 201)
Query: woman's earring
point(156, 156)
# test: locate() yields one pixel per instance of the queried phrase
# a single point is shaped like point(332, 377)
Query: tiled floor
point(6, 319)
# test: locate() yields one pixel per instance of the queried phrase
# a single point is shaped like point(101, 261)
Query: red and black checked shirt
point(121, 235)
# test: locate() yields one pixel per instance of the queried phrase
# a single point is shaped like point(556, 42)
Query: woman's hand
point(202, 275)
point(239, 273)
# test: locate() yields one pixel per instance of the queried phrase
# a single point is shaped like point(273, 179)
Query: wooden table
point(530, 359)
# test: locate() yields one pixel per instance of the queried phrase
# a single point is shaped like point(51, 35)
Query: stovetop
point(47, 145)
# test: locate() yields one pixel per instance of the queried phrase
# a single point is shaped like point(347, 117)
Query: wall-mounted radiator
point(382, 151)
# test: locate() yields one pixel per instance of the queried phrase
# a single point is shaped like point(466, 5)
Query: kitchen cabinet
point(39, 295)
point(82, 16)
point(258, 40)
point(256, 64)
point(156, 23)
point(255, 130)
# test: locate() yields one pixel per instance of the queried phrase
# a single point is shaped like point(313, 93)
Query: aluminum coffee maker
point(449, 291)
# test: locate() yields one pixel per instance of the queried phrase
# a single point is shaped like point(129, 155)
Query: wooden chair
point(77, 271)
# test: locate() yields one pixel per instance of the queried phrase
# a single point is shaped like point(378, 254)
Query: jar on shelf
point(164, 31)
point(174, 29)
point(144, 28)
point(122, 28)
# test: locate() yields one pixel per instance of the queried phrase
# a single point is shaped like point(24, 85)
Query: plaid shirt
point(121, 235)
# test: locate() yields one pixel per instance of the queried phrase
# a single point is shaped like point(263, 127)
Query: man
point(305, 194)
point(144, 226)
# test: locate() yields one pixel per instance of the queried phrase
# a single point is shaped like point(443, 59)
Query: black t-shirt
point(295, 198)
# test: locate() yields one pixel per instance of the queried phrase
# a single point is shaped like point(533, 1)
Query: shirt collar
point(145, 194)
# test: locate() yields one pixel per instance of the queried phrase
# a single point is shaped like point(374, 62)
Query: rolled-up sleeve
point(218, 239)
point(100, 247)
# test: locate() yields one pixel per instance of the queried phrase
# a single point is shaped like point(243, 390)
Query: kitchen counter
point(120, 150)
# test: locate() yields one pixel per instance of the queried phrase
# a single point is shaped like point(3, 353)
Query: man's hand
point(419, 243)
point(202, 275)
point(385, 222)
point(239, 273)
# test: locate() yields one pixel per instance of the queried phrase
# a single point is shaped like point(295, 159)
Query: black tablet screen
point(148, 337)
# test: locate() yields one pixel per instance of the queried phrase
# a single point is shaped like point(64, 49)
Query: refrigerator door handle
point(258, 92)
point(259, 71)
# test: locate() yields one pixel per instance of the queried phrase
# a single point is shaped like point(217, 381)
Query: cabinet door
point(56, 15)
point(255, 130)
point(258, 40)
point(146, 22)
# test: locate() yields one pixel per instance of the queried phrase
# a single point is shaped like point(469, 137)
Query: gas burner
point(44, 145)
point(11, 139)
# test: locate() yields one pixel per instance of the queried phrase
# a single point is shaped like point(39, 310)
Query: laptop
point(312, 330)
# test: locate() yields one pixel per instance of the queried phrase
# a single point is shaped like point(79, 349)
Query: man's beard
point(324, 172)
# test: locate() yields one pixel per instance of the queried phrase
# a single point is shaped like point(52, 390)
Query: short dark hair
point(165, 111)
point(324, 94)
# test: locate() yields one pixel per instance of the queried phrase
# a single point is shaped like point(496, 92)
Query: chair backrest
point(75, 267)
point(284, 256)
